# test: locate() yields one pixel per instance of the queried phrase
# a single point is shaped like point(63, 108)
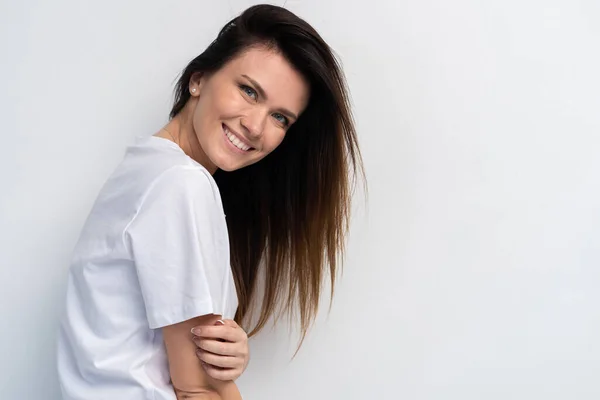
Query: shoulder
point(182, 181)
point(154, 164)
point(178, 195)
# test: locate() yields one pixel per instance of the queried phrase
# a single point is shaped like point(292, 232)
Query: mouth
point(236, 140)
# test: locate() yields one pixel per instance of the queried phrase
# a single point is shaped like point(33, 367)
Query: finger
point(229, 322)
point(217, 347)
point(224, 332)
point(222, 374)
point(217, 360)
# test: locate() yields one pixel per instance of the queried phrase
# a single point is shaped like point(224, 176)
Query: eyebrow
point(263, 94)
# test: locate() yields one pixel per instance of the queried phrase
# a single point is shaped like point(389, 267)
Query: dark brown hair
point(289, 211)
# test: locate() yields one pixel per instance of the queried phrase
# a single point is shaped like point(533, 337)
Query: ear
point(196, 82)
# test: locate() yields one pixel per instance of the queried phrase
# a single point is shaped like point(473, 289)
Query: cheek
point(211, 109)
point(228, 104)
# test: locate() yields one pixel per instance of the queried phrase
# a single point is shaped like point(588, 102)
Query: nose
point(254, 122)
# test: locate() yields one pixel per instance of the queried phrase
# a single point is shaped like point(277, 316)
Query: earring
point(194, 90)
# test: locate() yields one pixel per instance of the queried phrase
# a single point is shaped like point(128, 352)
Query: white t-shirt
point(154, 251)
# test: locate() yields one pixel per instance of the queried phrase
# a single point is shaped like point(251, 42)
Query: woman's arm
point(224, 349)
point(188, 377)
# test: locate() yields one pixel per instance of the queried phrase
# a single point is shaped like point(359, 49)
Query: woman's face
point(244, 109)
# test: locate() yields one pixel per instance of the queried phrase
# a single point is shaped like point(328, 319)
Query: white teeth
point(235, 141)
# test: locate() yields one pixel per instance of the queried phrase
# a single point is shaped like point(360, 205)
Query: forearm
point(229, 391)
point(224, 391)
point(188, 377)
point(204, 395)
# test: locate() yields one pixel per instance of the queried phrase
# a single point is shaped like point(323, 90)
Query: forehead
point(278, 78)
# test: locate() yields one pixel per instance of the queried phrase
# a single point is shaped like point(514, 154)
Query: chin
point(227, 168)
point(227, 165)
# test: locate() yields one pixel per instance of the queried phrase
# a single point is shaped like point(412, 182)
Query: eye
point(249, 91)
point(282, 119)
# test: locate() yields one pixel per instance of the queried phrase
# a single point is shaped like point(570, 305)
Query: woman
point(252, 169)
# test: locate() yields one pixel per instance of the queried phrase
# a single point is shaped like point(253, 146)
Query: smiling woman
point(243, 110)
point(260, 131)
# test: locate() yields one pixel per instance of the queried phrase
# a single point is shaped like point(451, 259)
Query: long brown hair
point(289, 211)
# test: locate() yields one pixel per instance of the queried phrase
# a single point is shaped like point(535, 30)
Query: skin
point(231, 98)
point(255, 97)
point(222, 348)
point(188, 378)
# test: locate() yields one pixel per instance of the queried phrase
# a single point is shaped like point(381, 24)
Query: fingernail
point(220, 321)
point(196, 331)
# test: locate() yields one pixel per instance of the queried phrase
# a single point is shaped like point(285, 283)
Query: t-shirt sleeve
point(175, 250)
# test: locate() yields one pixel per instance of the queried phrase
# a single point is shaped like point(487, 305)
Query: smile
point(235, 141)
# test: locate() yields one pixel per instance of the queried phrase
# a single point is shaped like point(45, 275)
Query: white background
point(473, 269)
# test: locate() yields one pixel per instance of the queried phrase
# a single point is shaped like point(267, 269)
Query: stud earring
point(194, 90)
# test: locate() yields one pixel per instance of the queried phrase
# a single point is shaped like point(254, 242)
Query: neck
point(181, 131)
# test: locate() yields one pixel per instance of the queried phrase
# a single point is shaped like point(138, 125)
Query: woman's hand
point(223, 349)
